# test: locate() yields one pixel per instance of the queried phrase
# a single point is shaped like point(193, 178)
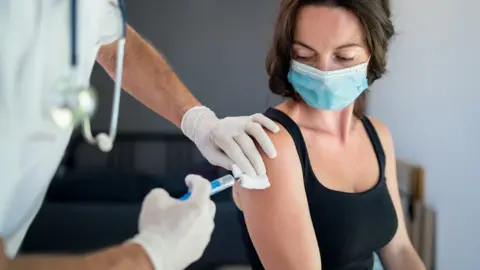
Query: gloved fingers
point(211, 213)
point(258, 133)
point(265, 122)
point(212, 208)
point(250, 150)
point(159, 197)
point(199, 187)
point(235, 153)
point(218, 158)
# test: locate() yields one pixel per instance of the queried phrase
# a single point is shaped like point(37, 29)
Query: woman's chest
point(353, 168)
point(350, 227)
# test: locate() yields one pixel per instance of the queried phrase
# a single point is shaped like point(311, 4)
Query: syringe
point(217, 185)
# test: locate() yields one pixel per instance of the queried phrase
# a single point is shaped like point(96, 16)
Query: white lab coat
point(34, 54)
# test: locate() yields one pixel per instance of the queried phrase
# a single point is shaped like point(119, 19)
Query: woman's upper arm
point(392, 253)
point(278, 218)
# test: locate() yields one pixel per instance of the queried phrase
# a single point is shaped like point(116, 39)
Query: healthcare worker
point(47, 52)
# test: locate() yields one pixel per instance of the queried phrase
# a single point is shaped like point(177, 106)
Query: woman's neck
point(335, 123)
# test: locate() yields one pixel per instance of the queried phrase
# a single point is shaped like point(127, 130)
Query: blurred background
point(429, 99)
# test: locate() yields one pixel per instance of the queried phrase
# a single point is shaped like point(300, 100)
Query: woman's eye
point(344, 58)
point(303, 58)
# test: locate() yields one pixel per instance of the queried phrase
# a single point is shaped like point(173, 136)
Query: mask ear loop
point(103, 140)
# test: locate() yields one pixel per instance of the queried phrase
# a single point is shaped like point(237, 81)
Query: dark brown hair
point(375, 18)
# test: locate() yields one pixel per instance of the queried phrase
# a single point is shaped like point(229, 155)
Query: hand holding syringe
point(217, 185)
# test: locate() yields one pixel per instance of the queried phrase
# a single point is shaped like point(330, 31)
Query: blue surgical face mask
point(328, 90)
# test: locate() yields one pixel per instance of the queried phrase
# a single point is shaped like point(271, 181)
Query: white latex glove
point(175, 233)
point(224, 142)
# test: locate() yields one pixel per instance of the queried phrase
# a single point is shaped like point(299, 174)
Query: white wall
point(430, 100)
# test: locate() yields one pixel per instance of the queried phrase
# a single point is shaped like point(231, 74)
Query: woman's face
point(329, 38)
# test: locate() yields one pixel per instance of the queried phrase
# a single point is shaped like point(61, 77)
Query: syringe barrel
point(217, 185)
point(222, 183)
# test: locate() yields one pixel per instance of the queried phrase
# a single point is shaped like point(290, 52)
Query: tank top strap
point(377, 145)
point(294, 131)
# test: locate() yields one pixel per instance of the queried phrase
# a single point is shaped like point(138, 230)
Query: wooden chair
point(419, 218)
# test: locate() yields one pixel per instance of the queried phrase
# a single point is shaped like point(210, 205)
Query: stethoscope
point(74, 103)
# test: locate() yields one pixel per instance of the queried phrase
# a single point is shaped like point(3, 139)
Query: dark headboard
point(148, 152)
point(138, 162)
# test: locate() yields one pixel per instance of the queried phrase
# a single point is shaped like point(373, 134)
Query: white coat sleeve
point(16, 19)
point(110, 22)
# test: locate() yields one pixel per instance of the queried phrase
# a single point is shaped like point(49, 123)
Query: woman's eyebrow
point(348, 45)
point(303, 45)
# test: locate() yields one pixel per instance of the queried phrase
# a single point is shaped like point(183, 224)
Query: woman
point(334, 198)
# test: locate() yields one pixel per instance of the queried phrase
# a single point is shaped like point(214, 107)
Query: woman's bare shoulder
point(283, 142)
point(383, 133)
point(284, 166)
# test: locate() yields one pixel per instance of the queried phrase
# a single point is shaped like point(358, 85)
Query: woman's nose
point(324, 64)
point(327, 63)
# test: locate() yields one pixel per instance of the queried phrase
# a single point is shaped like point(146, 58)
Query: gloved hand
point(175, 233)
point(224, 142)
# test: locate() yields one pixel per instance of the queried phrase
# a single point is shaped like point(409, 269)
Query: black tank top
point(349, 227)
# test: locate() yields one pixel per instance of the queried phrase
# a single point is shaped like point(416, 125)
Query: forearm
point(404, 259)
point(130, 256)
point(148, 77)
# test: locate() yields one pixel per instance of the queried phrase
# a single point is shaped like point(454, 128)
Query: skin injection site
point(239, 135)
